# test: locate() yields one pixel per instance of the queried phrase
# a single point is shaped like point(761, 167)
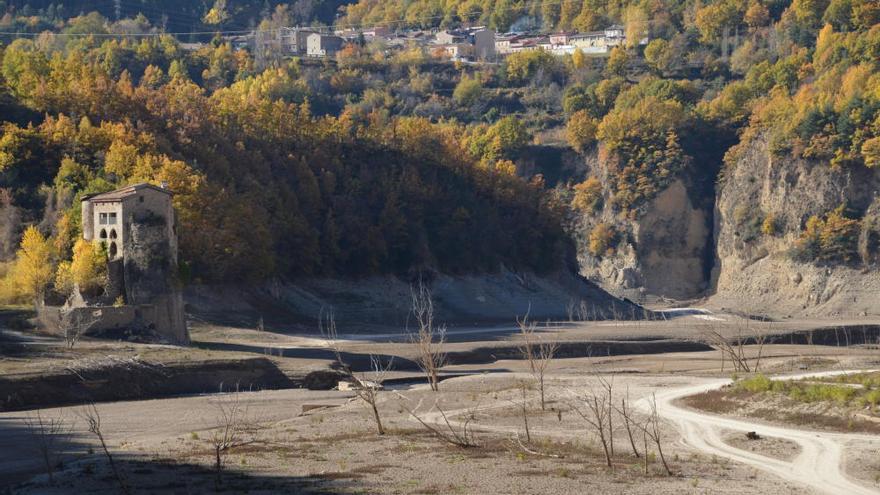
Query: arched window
point(103, 233)
point(112, 250)
point(113, 234)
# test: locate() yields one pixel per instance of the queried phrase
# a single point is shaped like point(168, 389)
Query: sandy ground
point(325, 442)
point(819, 464)
point(164, 445)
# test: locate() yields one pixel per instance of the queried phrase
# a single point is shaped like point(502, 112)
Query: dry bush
point(76, 325)
point(93, 420)
point(365, 386)
point(47, 434)
point(734, 349)
point(429, 337)
point(539, 354)
point(234, 428)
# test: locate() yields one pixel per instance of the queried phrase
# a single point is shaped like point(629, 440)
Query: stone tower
point(138, 228)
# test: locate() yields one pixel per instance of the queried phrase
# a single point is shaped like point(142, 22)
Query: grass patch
point(808, 391)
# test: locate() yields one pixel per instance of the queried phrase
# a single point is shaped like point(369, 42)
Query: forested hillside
point(389, 161)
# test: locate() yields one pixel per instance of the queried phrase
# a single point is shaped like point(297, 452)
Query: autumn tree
point(588, 195)
point(32, 270)
point(602, 240)
point(581, 130)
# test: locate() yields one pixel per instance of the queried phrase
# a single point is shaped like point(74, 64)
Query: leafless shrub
point(459, 434)
point(429, 337)
point(539, 354)
point(47, 434)
point(235, 428)
point(75, 325)
point(93, 420)
point(366, 386)
point(732, 350)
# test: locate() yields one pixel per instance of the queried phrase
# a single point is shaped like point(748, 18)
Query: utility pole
point(117, 7)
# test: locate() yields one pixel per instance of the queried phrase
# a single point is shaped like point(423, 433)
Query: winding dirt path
point(818, 465)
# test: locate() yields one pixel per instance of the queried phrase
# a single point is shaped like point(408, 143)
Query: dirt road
point(818, 465)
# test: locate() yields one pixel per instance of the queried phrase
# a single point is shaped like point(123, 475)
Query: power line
point(466, 17)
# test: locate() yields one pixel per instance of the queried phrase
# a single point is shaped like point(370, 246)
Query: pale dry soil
point(164, 445)
point(778, 448)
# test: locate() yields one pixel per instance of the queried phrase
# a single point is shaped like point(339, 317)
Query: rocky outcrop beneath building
point(755, 270)
point(150, 279)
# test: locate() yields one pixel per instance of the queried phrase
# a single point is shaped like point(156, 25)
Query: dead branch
point(734, 351)
point(535, 452)
point(460, 435)
point(367, 388)
point(234, 428)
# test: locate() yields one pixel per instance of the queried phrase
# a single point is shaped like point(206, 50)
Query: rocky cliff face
point(665, 249)
point(755, 270)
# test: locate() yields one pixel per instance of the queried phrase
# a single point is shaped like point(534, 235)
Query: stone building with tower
point(138, 229)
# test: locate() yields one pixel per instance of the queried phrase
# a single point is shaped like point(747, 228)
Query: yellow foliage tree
point(581, 130)
point(602, 240)
point(871, 152)
point(578, 59)
point(32, 270)
point(587, 195)
point(88, 270)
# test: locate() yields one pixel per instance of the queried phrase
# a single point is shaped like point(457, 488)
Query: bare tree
point(730, 350)
point(651, 429)
point(628, 421)
point(48, 433)
point(734, 348)
point(366, 387)
point(429, 337)
point(93, 420)
point(539, 354)
point(595, 413)
point(522, 404)
point(459, 434)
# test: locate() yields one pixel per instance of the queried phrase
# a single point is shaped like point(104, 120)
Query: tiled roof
point(120, 194)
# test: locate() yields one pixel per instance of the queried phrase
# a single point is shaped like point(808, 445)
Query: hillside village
point(467, 44)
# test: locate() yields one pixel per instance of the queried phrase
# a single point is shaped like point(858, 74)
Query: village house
point(323, 45)
point(473, 43)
